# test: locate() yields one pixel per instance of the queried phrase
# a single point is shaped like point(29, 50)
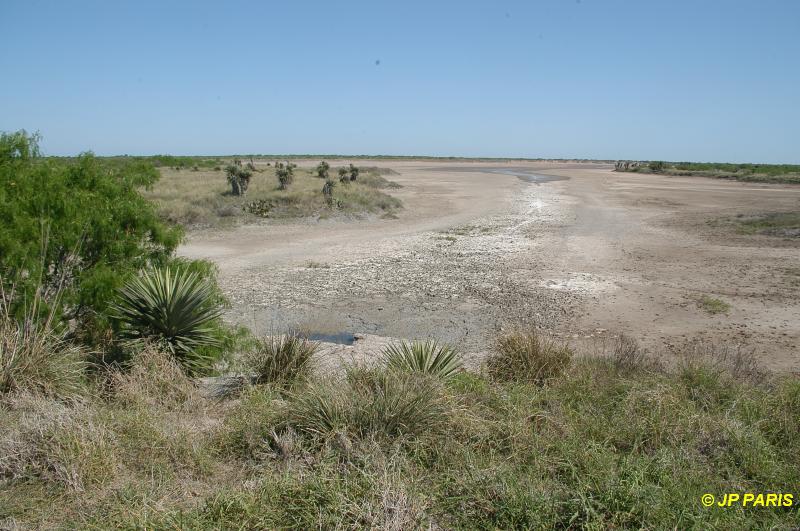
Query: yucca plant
point(370, 402)
point(282, 359)
point(428, 357)
point(174, 308)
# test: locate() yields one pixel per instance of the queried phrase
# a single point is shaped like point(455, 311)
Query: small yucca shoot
point(429, 357)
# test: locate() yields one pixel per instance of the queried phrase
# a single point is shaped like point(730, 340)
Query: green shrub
point(526, 356)
point(282, 359)
point(80, 224)
point(429, 357)
point(174, 307)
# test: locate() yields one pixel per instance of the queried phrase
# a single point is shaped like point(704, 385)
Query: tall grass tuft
point(370, 402)
point(523, 355)
point(282, 359)
point(429, 357)
point(35, 357)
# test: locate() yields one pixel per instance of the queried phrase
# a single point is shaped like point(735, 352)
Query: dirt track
point(587, 257)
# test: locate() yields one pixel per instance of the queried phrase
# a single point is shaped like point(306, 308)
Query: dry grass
point(37, 358)
point(280, 359)
point(202, 198)
point(526, 355)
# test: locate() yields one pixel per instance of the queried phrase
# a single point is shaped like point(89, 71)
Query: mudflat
point(574, 248)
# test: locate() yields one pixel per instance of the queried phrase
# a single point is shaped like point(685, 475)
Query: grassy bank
point(536, 440)
point(767, 173)
point(201, 197)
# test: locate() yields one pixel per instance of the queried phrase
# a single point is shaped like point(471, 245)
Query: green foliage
point(524, 355)
point(174, 307)
point(79, 222)
point(344, 176)
point(283, 359)
point(429, 357)
point(322, 170)
point(238, 178)
point(713, 306)
point(353, 172)
point(285, 174)
point(327, 192)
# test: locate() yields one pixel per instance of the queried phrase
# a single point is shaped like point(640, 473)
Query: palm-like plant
point(173, 307)
point(353, 172)
point(327, 191)
point(429, 357)
point(343, 175)
point(322, 170)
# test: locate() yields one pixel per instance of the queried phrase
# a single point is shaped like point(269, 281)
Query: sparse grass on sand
point(713, 305)
point(611, 442)
point(202, 197)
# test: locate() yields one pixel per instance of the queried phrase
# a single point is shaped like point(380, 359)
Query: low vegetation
point(604, 442)
point(768, 173)
point(425, 357)
point(280, 359)
point(713, 305)
point(204, 198)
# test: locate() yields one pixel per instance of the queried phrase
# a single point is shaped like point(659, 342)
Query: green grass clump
point(281, 359)
point(713, 306)
point(370, 402)
point(428, 357)
point(524, 355)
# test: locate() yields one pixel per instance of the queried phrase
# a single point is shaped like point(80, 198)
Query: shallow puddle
point(340, 338)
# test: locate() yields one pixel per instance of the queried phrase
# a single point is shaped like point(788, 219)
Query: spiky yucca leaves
point(428, 357)
point(173, 307)
point(281, 359)
point(343, 176)
point(370, 403)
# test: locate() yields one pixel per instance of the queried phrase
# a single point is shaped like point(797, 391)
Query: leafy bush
point(526, 356)
point(429, 357)
point(282, 359)
point(174, 307)
point(79, 223)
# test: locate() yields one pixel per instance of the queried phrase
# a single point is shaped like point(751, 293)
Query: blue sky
point(641, 79)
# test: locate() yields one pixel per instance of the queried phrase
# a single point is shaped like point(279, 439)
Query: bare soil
point(476, 248)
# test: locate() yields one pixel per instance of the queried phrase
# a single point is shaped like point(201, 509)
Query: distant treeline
point(778, 173)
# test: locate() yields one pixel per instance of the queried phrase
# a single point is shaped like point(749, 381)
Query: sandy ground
point(476, 248)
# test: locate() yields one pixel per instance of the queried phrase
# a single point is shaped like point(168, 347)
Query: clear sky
point(707, 80)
